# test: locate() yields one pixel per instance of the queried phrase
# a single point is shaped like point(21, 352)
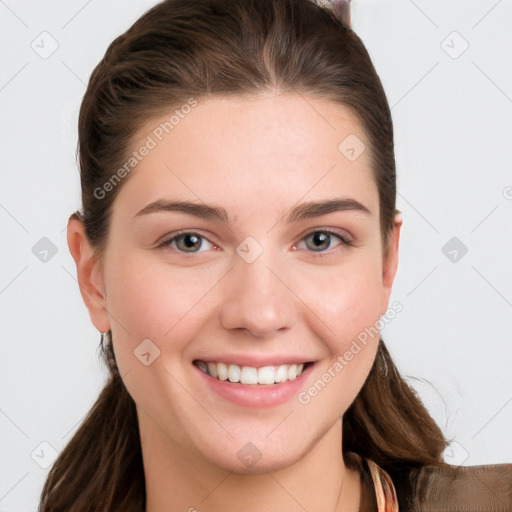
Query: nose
point(257, 298)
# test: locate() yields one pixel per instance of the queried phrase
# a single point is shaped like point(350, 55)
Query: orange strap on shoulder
point(384, 488)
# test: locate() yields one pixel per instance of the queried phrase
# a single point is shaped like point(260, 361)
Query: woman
point(236, 249)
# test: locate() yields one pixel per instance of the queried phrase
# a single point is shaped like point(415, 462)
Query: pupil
point(321, 240)
point(190, 241)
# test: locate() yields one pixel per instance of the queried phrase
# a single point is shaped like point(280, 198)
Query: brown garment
point(484, 488)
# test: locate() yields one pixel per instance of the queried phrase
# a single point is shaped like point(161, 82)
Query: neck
point(177, 479)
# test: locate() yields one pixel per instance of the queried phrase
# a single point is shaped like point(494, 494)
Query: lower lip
point(256, 395)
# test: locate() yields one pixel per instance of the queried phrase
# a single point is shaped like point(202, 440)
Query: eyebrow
point(303, 211)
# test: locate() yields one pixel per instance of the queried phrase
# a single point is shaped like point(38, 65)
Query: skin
point(257, 157)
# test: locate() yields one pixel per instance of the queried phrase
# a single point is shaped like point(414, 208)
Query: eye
point(322, 240)
point(187, 242)
point(317, 241)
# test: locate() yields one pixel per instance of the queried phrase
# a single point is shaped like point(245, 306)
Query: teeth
point(234, 373)
point(202, 366)
point(266, 375)
point(222, 371)
point(251, 375)
point(212, 369)
point(282, 374)
point(248, 375)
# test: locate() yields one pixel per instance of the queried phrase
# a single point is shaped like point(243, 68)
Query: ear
point(89, 273)
point(390, 261)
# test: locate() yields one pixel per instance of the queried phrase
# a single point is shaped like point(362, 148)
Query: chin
point(257, 455)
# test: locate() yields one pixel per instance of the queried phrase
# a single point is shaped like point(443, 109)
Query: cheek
point(348, 303)
point(151, 299)
point(336, 385)
point(346, 299)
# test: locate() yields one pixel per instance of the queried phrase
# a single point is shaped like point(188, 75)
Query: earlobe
point(390, 263)
point(89, 273)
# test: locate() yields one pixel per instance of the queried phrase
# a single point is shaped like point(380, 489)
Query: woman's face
point(267, 260)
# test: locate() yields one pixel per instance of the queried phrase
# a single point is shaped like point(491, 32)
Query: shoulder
point(455, 488)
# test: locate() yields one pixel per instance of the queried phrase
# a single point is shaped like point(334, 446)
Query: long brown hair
point(182, 49)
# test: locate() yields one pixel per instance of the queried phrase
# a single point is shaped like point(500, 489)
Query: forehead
point(256, 153)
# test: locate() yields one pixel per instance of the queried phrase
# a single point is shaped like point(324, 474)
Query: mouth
point(251, 375)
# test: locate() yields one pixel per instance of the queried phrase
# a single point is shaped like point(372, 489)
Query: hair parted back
point(182, 49)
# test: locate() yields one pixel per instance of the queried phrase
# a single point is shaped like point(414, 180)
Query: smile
point(250, 375)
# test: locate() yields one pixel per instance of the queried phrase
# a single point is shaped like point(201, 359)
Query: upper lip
point(255, 360)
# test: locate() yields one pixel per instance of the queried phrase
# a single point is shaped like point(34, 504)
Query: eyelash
point(345, 241)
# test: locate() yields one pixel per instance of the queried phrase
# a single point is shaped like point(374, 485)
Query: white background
point(452, 112)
